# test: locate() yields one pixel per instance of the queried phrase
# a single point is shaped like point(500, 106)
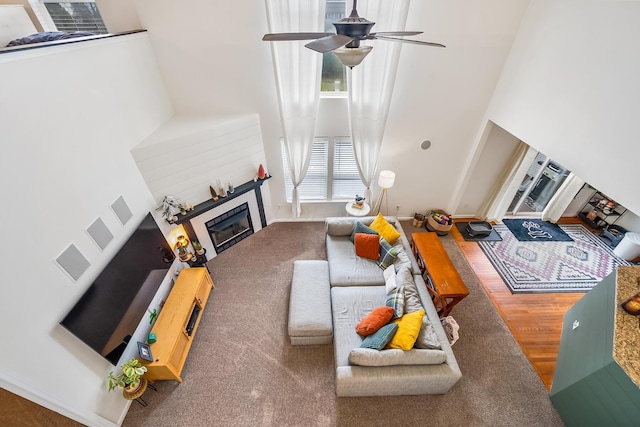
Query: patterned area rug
point(574, 266)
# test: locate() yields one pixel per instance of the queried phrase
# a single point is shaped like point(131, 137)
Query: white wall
point(570, 89)
point(69, 116)
point(214, 62)
point(188, 154)
point(492, 161)
point(119, 15)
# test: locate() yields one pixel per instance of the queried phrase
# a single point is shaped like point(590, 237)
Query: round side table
point(364, 211)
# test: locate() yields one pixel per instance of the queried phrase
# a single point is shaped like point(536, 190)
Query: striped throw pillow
point(396, 300)
point(388, 254)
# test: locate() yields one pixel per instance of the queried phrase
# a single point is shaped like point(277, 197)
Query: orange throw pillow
point(367, 245)
point(375, 320)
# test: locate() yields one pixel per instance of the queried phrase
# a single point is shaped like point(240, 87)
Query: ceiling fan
point(346, 43)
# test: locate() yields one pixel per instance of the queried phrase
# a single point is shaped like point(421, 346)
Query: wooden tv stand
point(177, 324)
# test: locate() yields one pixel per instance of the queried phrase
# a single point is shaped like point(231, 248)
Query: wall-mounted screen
point(109, 312)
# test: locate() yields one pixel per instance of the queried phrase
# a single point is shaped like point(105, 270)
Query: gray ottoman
point(310, 320)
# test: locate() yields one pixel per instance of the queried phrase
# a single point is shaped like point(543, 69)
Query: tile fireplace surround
point(194, 222)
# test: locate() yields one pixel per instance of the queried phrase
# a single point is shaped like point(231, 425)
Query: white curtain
point(298, 71)
point(562, 198)
point(371, 85)
point(496, 205)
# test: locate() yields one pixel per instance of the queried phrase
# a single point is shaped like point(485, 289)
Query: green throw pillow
point(379, 339)
point(388, 254)
point(360, 228)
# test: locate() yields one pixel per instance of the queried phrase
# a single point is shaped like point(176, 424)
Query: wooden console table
point(177, 324)
point(442, 279)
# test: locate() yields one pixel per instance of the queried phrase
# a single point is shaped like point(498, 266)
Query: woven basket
point(440, 229)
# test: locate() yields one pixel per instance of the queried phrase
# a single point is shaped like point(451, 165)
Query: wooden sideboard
point(177, 324)
point(441, 277)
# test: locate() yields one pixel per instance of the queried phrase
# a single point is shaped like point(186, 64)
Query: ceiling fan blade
point(396, 33)
point(276, 37)
point(395, 39)
point(327, 44)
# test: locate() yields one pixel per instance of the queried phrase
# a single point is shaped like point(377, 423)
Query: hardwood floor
point(535, 320)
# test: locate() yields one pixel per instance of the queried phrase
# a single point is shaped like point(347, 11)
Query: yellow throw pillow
point(408, 330)
point(384, 229)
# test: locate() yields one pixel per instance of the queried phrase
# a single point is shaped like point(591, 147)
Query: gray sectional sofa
point(357, 287)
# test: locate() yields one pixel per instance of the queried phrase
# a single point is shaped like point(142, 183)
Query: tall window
point(327, 180)
point(334, 74)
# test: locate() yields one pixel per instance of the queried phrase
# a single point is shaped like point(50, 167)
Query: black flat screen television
point(109, 312)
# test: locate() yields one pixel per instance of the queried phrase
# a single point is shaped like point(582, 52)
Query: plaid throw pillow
point(396, 300)
point(388, 254)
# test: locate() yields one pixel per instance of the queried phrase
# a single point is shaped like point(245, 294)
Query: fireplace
point(219, 224)
point(229, 228)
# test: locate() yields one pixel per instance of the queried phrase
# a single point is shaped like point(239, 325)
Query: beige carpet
point(242, 371)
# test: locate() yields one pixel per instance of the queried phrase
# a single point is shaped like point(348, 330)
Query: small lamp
point(181, 241)
point(386, 179)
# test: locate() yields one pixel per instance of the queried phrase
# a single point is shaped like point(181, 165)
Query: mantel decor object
point(214, 195)
point(261, 172)
point(170, 208)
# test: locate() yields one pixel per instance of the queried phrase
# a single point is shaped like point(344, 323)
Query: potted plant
point(169, 208)
point(183, 254)
point(129, 378)
point(197, 247)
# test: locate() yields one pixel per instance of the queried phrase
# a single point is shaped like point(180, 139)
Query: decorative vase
point(261, 173)
point(214, 195)
point(231, 188)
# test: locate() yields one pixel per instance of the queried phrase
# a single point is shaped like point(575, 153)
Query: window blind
point(344, 180)
point(314, 185)
point(76, 16)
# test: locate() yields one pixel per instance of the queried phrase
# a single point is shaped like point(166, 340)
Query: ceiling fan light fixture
point(352, 56)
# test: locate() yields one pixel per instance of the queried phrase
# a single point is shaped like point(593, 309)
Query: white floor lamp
point(385, 181)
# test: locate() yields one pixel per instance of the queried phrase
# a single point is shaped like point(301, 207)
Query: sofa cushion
point(349, 305)
point(408, 330)
point(395, 299)
point(371, 357)
point(411, 297)
point(388, 254)
point(427, 337)
point(375, 320)
point(360, 228)
point(390, 282)
point(367, 245)
point(343, 226)
point(380, 338)
point(385, 229)
point(348, 269)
